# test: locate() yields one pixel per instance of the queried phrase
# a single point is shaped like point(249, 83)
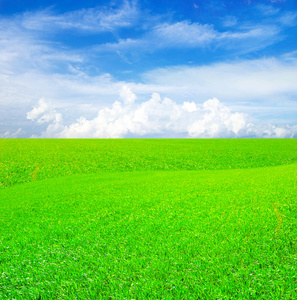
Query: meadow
point(148, 219)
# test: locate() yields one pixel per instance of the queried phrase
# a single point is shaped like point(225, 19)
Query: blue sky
point(148, 68)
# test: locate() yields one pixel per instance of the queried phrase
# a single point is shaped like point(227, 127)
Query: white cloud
point(22, 51)
point(267, 10)
point(62, 89)
point(157, 117)
point(127, 95)
point(32, 68)
point(260, 33)
point(218, 121)
point(230, 21)
point(11, 135)
point(187, 35)
point(264, 88)
point(288, 19)
point(183, 34)
point(266, 80)
point(44, 113)
point(189, 106)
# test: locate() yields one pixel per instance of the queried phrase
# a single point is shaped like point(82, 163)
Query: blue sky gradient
point(111, 68)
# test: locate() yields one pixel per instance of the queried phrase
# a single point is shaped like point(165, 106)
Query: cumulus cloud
point(127, 95)
point(44, 113)
point(157, 117)
point(217, 120)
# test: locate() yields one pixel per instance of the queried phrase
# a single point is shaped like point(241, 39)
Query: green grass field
point(148, 219)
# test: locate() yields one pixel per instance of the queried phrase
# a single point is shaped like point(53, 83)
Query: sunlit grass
point(30, 160)
point(176, 232)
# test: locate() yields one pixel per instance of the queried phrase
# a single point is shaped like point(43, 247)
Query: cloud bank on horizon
point(156, 117)
point(69, 71)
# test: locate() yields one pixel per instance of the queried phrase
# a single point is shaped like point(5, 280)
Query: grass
point(29, 160)
point(148, 219)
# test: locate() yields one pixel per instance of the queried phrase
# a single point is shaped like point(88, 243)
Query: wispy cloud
point(189, 35)
point(288, 19)
point(230, 21)
point(96, 19)
point(27, 41)
point(261, 80)
point(22, 51)
point(182, 34)
point(268, 10)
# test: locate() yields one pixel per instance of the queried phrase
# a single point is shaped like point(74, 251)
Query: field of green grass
point(148, 219)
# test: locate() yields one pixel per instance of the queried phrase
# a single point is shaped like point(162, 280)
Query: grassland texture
point(30, 160)
point(148, 219)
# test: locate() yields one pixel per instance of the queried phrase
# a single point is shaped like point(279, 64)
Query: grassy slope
point(156, 234)
point(29, 160)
